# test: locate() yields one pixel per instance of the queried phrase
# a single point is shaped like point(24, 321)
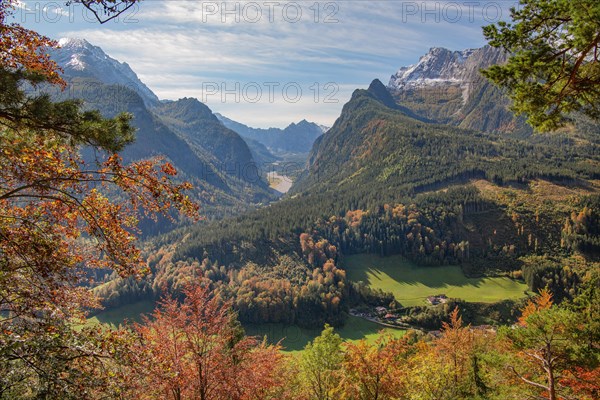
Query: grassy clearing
point(131, 313)
point(411, 284)
point(539, 193)
point(294, 338)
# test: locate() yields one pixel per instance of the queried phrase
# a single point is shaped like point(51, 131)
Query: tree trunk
point(551, 388)
point(550, 369)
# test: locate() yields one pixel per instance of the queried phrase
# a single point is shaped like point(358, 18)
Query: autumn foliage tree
point(444, 368)
point(456, 345)
point(22, 48)
point(374, 371)
point(60, 217)
point(196, 350)
point(558, 357)
point(321, 366)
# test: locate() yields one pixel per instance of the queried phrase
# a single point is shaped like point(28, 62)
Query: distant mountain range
point(295, 138)
point(436, 121)
point(206, 148)
point(214, 158)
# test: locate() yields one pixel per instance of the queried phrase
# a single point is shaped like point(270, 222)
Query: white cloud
point(179, 46)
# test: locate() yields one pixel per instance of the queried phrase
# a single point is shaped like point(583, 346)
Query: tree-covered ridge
point(376, 146)
point(274, 273)
point(194, 122)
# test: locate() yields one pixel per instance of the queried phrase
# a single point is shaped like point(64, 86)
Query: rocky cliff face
point(443, 67)
point(447, 87)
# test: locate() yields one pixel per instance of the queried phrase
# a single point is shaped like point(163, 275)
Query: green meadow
point(411, 284)
point(292, 338)
point(128, 313)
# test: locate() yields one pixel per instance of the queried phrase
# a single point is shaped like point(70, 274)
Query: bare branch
point(527, 381)
point(105, 12)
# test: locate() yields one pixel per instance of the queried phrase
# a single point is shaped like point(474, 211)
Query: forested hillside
point(376, 145)
point(385, 183)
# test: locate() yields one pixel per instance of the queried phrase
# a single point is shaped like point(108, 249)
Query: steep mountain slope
point(195, 122)
point(295, 138)
point(397, 174)
point(79, 58)
point(383, 182)
point(447, 87)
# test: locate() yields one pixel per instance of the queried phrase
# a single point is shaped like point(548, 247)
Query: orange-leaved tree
point(22, 48)
point(196, 350)
point(547, 339)
point(374, 371)
point(59, 217)
point(443, 367)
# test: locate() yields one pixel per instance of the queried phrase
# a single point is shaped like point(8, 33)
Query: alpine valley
point(228, 171)
point(425, 194)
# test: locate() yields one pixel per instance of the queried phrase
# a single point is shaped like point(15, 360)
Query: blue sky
point(269, 63)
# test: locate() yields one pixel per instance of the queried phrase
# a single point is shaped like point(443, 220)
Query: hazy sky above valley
point(269, 63)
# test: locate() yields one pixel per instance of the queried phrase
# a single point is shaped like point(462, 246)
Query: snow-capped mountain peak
point(324, 128)
point(75, 46)
point(78, 57)
point(73, 42)
point(441, 66)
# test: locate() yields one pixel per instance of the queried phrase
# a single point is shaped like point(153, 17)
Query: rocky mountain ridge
point(447, 87)
point(80, 58)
